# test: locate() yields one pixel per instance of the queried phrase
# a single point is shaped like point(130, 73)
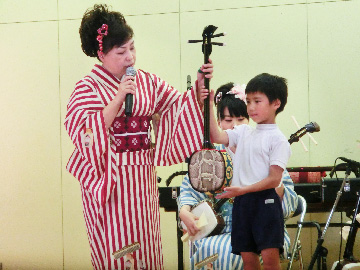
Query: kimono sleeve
point(180, 130)
point(85, 125)
point(289, 204)
point(290, 198)
point(189, 196)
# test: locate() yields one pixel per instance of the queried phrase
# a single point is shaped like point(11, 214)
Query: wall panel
point(188, 5)
point(27, 11)
point(334, 64)
point(312, 43)
point(30, 193)
point(75, 9)
point(271, 39)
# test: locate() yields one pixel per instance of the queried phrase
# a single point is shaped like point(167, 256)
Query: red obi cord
point(132, 133)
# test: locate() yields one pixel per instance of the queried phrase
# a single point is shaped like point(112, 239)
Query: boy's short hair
point(274, 87)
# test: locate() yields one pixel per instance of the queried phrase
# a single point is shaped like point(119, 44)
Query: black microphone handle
point(128, 104)
point(353, 162)
point(339, 167)
point(130, 71)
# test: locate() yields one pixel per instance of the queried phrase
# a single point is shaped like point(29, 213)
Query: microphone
point(350, 164)
point(312, 127)
point(350, 161)
point(339, 167)
point(188, 82)
point(130, 71)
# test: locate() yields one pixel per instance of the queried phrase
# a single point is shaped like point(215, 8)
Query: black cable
point(168, 181)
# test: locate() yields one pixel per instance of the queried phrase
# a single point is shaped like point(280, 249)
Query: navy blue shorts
point(257, 222)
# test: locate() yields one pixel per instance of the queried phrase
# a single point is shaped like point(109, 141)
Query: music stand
point(348, 257)
point(320, 250)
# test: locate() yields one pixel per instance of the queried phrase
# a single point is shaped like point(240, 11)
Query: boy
point(260, 158)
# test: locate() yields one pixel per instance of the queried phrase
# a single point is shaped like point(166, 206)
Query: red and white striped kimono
point(119, 189)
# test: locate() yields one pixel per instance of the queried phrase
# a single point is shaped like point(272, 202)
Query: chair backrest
point(300, 211)
point(301, 208)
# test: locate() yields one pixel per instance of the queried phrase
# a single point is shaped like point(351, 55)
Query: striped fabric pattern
point(221, 243)
point(119, 190)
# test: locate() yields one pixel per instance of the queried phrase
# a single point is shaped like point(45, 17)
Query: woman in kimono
point(231, 111)
point(114, 160)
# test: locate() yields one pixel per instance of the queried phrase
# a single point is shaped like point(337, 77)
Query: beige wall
point(314, 44)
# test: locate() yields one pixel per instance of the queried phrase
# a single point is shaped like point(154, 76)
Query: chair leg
point(296, 254)
point(301, 262)
point(295, 247)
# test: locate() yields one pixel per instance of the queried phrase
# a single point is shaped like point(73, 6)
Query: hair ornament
point(218, 97)
point(102, 31)
point(239, 91)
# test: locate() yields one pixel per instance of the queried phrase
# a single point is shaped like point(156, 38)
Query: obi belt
point(132, 133)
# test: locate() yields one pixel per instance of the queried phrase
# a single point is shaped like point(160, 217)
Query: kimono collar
point(111, 77)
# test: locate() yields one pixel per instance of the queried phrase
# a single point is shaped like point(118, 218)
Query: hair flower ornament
point(218, 97)
point(102, 31)
point(239, 91)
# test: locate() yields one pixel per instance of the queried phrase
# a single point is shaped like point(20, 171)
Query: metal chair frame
point(296, 247)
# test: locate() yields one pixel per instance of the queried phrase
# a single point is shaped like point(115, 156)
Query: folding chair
point(296, 253)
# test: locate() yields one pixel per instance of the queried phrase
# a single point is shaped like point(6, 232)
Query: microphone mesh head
point(317, 127)
point(312, 127)
point(130, 71)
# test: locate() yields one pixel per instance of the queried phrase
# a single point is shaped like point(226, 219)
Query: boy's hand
point(202, 94)
point(206, 70)
point(231, 192)
point(280, 191)
point(212, 93)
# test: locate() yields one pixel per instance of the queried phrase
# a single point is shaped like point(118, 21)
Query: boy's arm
point(216, 135)
point(271, 181)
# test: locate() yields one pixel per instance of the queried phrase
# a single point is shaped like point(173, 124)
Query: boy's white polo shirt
point(256, 150)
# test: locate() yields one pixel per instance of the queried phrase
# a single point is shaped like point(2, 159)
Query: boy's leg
point(251, 261)
point(271, 259)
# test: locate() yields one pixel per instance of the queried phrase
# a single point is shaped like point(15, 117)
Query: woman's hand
point(127, 86)
point(280, 191)
point(189, 219)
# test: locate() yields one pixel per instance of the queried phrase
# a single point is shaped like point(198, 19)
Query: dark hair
point(236, 106)
point(119, 31)
point(274, 87)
